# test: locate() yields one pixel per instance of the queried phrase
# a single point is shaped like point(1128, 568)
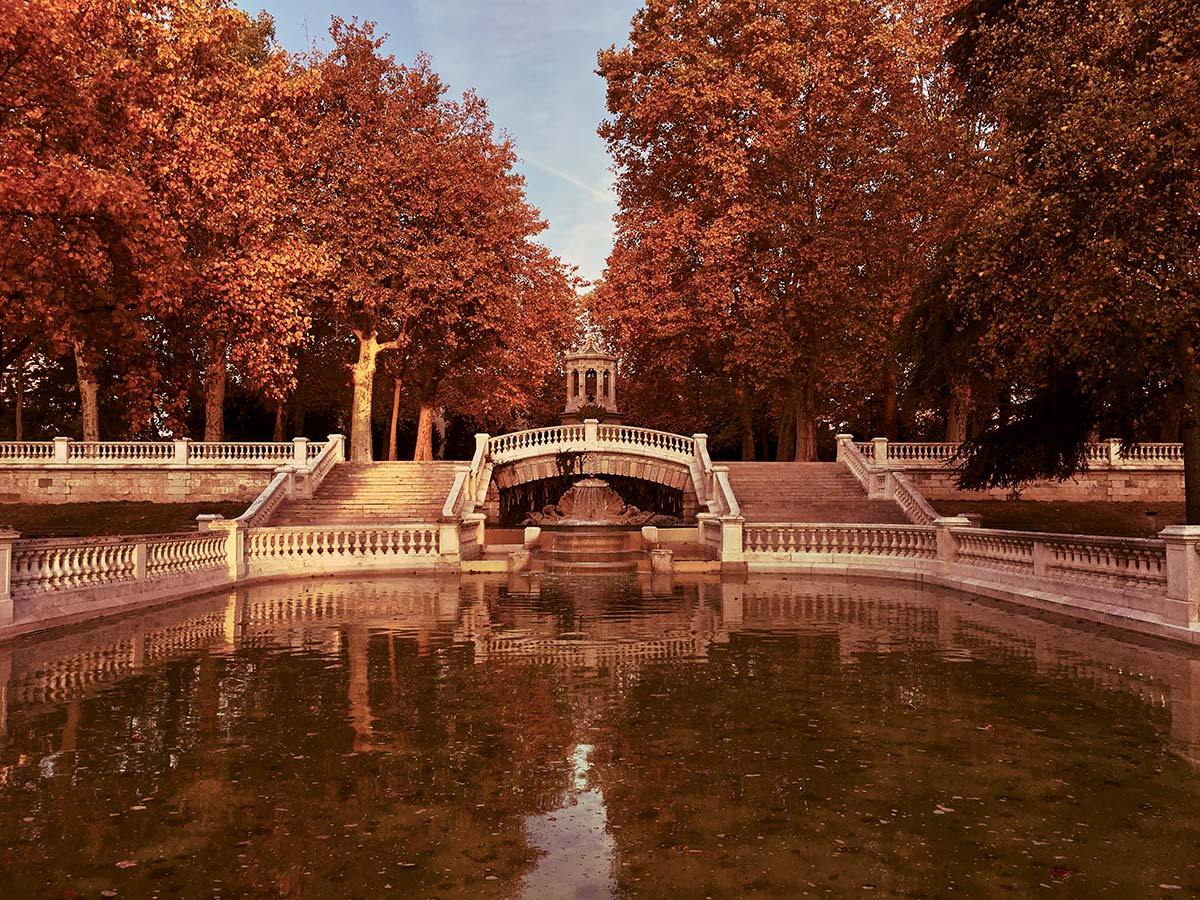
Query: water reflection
point(595, 738)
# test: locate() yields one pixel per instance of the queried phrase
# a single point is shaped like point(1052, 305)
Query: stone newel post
point(947, 543)
point(1183, 574)
point(880, 451)
point(181, 451)
point(300, 452)
point(591, 432)
point(339, 451)
point(62, 450)
point(842, 441)
point(7, 538)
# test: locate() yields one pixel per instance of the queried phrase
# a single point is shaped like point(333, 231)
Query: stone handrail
point(279, 490)
point(37, 452)
point(912, 501)
point(326, 549)
point(1143, 584)
point(907, 541)
point(664, 442)
point(459, 493)
point(122, 452)
point(722, 493)
point(851, 455)
point(180, 452)
point(1069, 557)
point(591, 435)
point(919, 455)
point(67, 564)
point(292, 481)
point(880, 483)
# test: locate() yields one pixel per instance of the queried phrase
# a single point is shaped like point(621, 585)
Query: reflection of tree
point(779, 764)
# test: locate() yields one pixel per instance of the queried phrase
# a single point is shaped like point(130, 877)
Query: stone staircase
point(377, 493)
point(806, 492)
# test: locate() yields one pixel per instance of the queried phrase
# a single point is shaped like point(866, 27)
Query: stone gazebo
point(591, 387)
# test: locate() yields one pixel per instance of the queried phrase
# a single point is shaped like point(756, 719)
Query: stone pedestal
point(7, 538)
point(1183, 574)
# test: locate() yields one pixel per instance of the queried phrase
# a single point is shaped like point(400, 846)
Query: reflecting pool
point(590, 738)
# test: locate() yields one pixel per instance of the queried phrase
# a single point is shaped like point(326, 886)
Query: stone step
point(806, 492)
point(375, 494)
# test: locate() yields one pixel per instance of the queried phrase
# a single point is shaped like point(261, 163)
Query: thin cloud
point(606, 196)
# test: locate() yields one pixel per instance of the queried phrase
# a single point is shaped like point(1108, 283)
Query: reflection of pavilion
point(662, 627)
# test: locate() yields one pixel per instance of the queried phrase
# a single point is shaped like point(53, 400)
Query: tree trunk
point(424, 448)
point(214, 400)
point(439, 430)
point(747, 428)
point(89, 391)
point(280, 408)
point(891, 414)
point(20, 410)
point(1168, 429)
point(1190, 425)
point(785, 443)
point(958, 413)
point(395, 426)
point(806, 424)
point(361, 447)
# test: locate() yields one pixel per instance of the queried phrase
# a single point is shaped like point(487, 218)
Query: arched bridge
point(671, 460)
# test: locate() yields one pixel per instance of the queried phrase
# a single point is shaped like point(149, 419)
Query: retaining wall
point(78, 484)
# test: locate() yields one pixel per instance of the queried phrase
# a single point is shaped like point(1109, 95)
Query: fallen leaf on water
point(126, 863)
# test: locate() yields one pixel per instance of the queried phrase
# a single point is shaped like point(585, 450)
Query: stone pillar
point(339, 442)
point(1183, 574)
point(7, 538)
point(181, 451)
point(448, 549)
point(880, 451)
point(140, 553)
point(731, 539)
point(300, 452)
point(235, 547)
point(481, 442)
point(842, 441)
point(62, 450)
point(947, 543)
point(1114, 452)
point(701, 442)
point(591, 432)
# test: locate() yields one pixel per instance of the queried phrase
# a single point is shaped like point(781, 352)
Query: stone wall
point(1119, 485)
point(183, 484)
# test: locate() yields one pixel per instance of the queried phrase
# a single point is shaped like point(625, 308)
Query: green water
point(596, 738)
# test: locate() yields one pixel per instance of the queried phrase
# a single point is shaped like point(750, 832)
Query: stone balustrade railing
point(890, 541)
point(64, 451)
point(1151, 585)
point(61, 565)
point(590, 436)
point(297, 480)
point(300, 550)
point(881, 483)
point(915, 455)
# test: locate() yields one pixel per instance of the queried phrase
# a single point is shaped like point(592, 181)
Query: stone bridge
point(670, 460)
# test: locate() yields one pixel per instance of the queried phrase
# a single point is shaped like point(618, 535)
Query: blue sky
point(534, 62)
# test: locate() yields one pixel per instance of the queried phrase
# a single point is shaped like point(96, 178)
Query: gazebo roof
point(590, 350)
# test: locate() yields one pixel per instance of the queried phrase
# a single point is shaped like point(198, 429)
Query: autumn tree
point(1081, 273)
point(85, 255)
point(426, 224)
point(765, 157)
point(226, 186)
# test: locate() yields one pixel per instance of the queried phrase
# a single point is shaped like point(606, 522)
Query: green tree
point(1080, 274)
